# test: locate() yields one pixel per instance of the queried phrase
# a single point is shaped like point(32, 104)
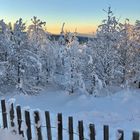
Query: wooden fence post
point(135, 135)
point(81, 130)
point(28, 124)
point(92, 131)
point(70, 127)
point(60, 126)
point(12, 115)
point(48, 125)
point(120, 135)
point(19, 120)
point(106, 132)
point(4, 114)
point(38, 125)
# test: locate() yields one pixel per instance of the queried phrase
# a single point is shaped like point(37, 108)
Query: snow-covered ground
point(120, 110)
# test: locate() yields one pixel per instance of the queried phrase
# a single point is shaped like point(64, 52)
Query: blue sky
point(84, 15)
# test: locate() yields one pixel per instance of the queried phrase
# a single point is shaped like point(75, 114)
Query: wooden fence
point(10, 122)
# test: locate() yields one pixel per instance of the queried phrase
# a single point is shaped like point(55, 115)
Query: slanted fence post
point(70, 127)
point(12, 115)
point(92, 131)
point(81, 130)
point(106, 132)
point(19, 120)
point(28, 124)
point(135, 135)
point(120, 135)
point(38, 125)
point(4, 114)
point(48, 125)
point(60, 126)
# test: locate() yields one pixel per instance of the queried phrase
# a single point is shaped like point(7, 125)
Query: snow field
point(119, 111)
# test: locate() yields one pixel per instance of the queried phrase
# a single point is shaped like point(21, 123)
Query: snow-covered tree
point(87, 66)
point(18, 41)
point(4, 43)
point(47, 57)
point(21, 60)
point(36, 34)
point(67, 64)
point(106, 57)
point(37, 37)
point(61, 40)
point(134, 55)
point(126, 51)
point(71, 65)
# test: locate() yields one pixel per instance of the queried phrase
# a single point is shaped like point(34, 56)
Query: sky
point(84, 16)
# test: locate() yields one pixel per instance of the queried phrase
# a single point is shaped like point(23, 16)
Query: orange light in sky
point(55, 28)
point(86, 29)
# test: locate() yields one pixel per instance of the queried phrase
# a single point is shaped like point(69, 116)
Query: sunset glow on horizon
point(81, 15)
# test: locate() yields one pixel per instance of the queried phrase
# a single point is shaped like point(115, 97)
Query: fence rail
point(10, 122)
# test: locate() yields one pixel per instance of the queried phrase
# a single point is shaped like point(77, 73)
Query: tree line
point(30, 59)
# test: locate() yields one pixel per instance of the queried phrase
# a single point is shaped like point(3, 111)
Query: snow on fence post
point(48, 125)
point(92, 131)
point(81, 130)
point(38, 125)
point(4, 114)
point(28, 124)
point(106, 132)
point(60, 126)
point(135, 135)
point(120, 135)
point(19, 120)
point(12, 115)
point(70, 127)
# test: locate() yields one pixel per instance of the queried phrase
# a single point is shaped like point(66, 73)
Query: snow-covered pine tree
point(87, 66)
point(106, 54)
point(125, 50)
point(23, 63)
point(4, 48)
point(134, 57)
point(18, 40)
point(37, 38)
point(47, 57)
point(67, 74)
point(72, 73)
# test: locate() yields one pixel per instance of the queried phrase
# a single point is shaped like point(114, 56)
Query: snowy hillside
point(119, 111)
